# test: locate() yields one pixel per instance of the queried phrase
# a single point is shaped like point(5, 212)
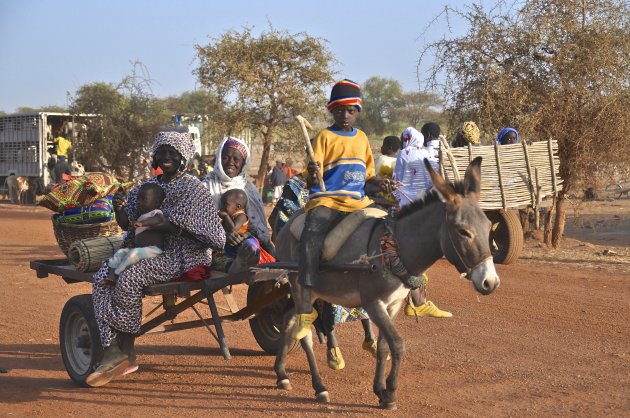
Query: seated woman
point(191, 226)
point(230, 171)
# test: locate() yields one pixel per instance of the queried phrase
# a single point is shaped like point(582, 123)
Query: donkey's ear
point(448, 194)
point(472, 179)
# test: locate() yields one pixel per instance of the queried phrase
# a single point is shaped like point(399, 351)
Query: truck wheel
point(267, 323)
point(79, 338)
point(506, 236)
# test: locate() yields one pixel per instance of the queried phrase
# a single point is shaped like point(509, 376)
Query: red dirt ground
point(554, 339)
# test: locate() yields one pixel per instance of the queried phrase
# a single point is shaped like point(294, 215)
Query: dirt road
point(554, 339)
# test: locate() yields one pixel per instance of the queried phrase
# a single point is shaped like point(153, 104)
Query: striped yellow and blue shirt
point(347, 163)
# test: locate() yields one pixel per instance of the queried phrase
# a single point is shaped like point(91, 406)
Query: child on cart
point(147, 242)
point(233, 214)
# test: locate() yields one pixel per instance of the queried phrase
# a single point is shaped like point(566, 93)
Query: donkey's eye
point(464, 233)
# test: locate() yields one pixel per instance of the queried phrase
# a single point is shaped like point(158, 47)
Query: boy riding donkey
point(344, 154)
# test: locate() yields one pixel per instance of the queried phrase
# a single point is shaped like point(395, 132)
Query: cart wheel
point(79, 338)
point(266, 324)
point(506, 236)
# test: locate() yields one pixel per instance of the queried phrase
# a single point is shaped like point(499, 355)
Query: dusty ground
point(553, 340)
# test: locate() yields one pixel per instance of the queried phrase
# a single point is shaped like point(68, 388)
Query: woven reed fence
point(512, 176)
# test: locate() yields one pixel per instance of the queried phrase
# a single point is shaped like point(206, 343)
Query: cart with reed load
point(514, 177)
point(268, 298)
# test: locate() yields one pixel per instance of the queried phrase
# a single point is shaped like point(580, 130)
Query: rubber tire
point(507, 234)
point(79, 339)
point(266, 324)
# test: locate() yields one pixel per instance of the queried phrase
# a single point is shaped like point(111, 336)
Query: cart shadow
point(26, 361)
point(129, 393)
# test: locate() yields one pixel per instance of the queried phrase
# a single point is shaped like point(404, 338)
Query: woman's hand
point(119, 201)
point(233, 239)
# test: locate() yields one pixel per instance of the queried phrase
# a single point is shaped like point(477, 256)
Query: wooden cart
point(268, 299)
point(513, 177)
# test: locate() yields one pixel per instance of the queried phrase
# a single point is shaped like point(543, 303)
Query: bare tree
point(266, 81)
point(550, 68)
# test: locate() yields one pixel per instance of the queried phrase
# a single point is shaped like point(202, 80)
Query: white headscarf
point(218, 183)
point(410, 169)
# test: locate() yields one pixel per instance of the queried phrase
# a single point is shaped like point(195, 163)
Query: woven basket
point(66, 234)
point(88, 254)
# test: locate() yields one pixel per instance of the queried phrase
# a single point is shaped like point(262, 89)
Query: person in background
point(467, 134)
point(508, 136)
point(431, 132)
point(414, 180)
point(385, 164)
point(62, 145)
point(277, 180)
point(288, 169)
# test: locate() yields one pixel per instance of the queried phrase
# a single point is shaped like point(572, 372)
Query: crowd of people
point(193, 215)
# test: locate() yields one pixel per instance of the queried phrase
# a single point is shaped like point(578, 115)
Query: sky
point(48, 49)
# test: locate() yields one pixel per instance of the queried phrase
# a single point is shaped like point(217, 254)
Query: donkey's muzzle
point(484, 277)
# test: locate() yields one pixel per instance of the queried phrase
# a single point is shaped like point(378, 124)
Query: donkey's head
point(465, 230)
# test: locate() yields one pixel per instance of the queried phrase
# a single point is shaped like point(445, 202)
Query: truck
point(25, 140)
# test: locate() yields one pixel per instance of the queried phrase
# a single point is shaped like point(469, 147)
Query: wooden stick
point(309, 148)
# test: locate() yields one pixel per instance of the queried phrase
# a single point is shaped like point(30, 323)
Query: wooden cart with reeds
point(513, 177)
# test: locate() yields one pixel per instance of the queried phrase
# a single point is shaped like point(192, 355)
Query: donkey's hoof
point(323, 397)
point(390, 406)
point(284, 384)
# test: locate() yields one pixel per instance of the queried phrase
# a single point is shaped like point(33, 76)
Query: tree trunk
point(264, 159)
point(549, 218)
point(558, 227)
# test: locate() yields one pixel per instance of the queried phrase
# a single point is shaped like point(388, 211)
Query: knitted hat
point(345, 93)
point(181, 141)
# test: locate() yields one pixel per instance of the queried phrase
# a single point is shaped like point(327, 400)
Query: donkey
point(445, 223)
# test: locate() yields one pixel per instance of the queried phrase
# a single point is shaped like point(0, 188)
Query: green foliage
point(264, 82)
point(129, 118)
point(387, 110)
point(380, 97)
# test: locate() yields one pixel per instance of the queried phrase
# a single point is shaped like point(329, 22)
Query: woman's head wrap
point(504, 132)
point(181, 141)
point(345, 93)
point(470, 132)
point(236, 144)
point(412, 138)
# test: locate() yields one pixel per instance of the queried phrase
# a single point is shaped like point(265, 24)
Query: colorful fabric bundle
point(101, 210)
point(343, 314)
point(80, 191)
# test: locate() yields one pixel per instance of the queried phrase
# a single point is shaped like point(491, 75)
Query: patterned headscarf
point(237, 145)
point(470, 132)
point(182, 142)
point(506, 131)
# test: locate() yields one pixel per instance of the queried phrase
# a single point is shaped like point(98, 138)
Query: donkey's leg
point(386, 395)
point(282, 378)
point(321, 393)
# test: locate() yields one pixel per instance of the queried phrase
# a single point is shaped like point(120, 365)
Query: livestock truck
point(25, 139)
